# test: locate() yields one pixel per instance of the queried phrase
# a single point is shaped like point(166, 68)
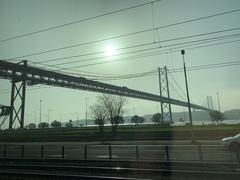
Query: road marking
point(62, 175)
point(107, 156)
point(129, 169)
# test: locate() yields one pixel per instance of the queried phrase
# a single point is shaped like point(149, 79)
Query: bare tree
point(98, 112)
point(216, 116)
point(156, 118)
point(114, 106)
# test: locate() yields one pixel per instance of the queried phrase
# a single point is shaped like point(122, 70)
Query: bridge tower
point(18, 92)
point(166, 109)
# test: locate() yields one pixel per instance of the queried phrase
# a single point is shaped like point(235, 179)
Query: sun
point(110, 51)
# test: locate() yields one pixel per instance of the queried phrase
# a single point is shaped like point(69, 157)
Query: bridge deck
point(36, 75)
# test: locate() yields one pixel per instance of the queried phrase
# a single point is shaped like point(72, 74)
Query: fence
point(161, 153)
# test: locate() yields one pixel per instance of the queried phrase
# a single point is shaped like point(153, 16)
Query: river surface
point(234, 121)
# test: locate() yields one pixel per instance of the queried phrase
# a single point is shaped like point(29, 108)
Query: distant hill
point(198, 115)
point(232, 114)
point(177, 116)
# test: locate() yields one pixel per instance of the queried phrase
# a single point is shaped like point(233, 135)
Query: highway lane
point(161, 142)
point(120, 170)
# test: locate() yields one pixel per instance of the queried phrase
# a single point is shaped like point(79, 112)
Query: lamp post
point(40, 112)
point(77, 119)
point(35, 117)
point(157, 107)
point(60, 117)
point(86, 109)
point(49, 110)
point(188, 99)
point(218, 102)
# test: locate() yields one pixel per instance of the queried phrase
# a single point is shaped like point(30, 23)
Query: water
point(207, 122)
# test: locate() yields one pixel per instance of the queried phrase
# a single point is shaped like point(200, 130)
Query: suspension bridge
point(21, 74)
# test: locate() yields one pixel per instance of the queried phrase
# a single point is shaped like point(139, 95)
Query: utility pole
point(86, 109)
point(184, 115)
point(49, 110)
point(211, 102)
point(40, 112)
point(188, 99)
point(208, 102)
point(77, 119)
point(35, 119)
point(218, 102)
point(60, 118)
point(157, 107)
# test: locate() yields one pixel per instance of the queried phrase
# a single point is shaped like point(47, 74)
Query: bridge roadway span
point(34, 75)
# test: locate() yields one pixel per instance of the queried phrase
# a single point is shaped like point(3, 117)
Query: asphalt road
point(117, 170)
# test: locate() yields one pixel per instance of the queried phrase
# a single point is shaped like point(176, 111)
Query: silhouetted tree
point(56, 124)
point(43, 125)
point(156, 118)
point(31, 126)
point(114, 108)
point(98, 113)
point(119, 119)
point(137, 119)
point(216, 116)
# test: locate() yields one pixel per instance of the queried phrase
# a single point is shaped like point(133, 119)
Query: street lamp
point(60, 117)
point(35, 120)
point(219, 109)
point(188, 99)
point(40, 112)
point(49, 110)
point(86, 109)
point(157, 107)
point(77, 119)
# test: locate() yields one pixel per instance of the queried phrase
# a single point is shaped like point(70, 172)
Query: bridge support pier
point(166, 110)
point(18, 93)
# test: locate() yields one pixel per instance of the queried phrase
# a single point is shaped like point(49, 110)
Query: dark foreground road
point(181, 161)
point(116, 170)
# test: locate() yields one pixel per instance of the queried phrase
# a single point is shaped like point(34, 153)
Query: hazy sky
point(19, 17)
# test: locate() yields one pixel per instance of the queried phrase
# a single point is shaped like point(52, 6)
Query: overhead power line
point(173, 49)
point(127, 53)
point(208, 66)
point(80, 44)
point(95, 75)
point(142, 45)
point(78, 21)
point(124, 35)
point(191, 68)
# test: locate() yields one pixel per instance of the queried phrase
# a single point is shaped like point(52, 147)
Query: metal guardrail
point(161, 153)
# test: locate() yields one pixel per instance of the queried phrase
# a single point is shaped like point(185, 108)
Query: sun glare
point(110, 51)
